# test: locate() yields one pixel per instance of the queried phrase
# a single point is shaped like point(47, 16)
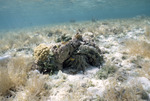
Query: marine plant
point(147, 31)
point(14, 74)
point(63, 38)
point(35, 88)
point(5, 81)
point(144, 71)
point(138, 48)
point(18, 41)
point(132, 92)
point(106, 71)
point(19, 83)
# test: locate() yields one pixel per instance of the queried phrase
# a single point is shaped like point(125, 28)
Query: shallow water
point(123, 41)
point(16, 14)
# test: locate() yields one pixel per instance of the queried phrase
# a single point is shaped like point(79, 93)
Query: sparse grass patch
point(5, 81)
point(14, 73)
point(130, 92)
point(18, 84)
point(76, 94)
point(33, 40)
point(146, 67)
point(18, 68)
point(147, 31)
point(107, 70)
point(34, 89)
point(138, 48)
point(144, 71)
point(18, 40)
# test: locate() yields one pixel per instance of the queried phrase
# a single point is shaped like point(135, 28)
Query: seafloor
point(124, 76)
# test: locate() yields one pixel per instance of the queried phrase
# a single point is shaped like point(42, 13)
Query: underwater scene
point(74, 50)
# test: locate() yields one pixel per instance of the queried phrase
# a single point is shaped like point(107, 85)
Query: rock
point(88, 36)
point(124, 57)
point(6, 57)
point(145, 96)
point(63, 38)
point(94, 91)
point(61, 75)
point(86, 54)
point(75, 54)
point(4, 60)
point(83, 85)
point(145, 83)
point(50, 33)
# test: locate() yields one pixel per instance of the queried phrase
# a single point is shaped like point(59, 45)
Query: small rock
point(144, 96)
point(4, 60)
point(95, 91)
point(124, 57)
point(139, 66)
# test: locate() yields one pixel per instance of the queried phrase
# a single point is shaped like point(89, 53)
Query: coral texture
point(41, 52)
point(76, 54)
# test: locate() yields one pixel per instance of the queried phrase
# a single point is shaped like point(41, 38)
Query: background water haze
point(15, 14)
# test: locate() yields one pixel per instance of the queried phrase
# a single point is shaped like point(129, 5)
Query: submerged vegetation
point(14, 74)
point(131, 92)
point(27, 56)
point(18, 84)
point(147, 31)
point(107, 70)
point(139, 48)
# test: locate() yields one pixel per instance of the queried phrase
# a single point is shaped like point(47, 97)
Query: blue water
point(27, 13)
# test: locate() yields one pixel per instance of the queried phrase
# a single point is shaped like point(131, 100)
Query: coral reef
point(41, 53)
point(63, 38)
point(77, 54)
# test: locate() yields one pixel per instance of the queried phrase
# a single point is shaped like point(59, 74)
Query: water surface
point(16, 14)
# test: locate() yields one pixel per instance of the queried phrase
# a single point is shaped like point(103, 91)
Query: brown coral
point(76, 54)
point(41, 53)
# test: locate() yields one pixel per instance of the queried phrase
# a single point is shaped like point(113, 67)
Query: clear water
point(26, 13)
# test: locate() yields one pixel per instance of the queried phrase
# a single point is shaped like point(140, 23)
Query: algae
point(106, 71)
point(76, 54)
